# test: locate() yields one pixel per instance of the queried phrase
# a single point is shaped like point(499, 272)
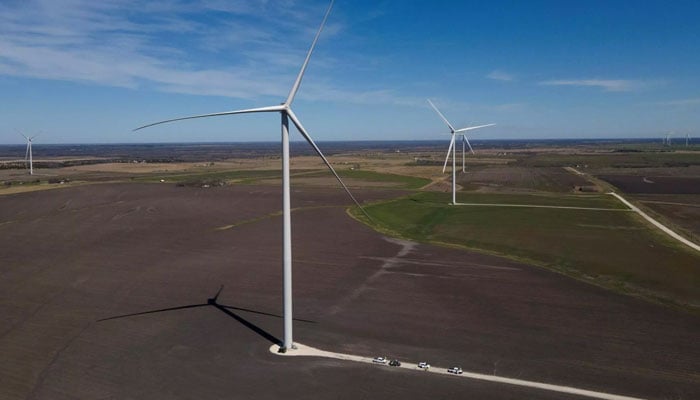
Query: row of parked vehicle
point(422, 365)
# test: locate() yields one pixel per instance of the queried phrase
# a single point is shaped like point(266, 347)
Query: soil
point(680, 210)
point(655, 184)
point(109, 291)
point(522, 179)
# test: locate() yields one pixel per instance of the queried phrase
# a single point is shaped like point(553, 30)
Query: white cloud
point(608, 85)
point(500, 76)
point(246, 49)
point(124, 43)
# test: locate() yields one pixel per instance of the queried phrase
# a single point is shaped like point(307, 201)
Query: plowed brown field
point(77, 262)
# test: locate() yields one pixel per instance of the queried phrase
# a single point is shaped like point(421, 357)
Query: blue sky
point(84, 71)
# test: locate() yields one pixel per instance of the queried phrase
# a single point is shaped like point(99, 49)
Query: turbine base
point(284, 349)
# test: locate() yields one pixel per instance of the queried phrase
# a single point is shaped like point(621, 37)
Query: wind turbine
point(454, 131)
point(287, 114)
point(28, 153)
point(668, 138)
point(687, 139)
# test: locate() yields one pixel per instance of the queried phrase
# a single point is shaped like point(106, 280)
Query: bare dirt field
point(682, 211)
point(516, 178)
point(655, 184)
point(78, 262)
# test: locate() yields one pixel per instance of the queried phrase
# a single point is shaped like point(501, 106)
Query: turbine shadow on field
point(228, 310)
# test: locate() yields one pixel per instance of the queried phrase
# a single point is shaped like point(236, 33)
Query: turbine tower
point(286, 114)
point(687, 139)
point(668, 138)
point(28, 153)
point(453, 132)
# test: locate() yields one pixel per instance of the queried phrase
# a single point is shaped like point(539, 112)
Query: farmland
point(110, 290)
point(518, 179)
point(511, 176)
point(110, 281)
point(610, 248)
point(654, 184)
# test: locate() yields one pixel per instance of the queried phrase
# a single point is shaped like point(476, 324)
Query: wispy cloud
point(500, 76)
point(507, 107)
point(680, 102)
point(608, 85)
point(165, 46)
point(372, 96)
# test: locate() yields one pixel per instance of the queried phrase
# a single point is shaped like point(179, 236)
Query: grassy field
point(544, 199)
point(394, 180)
point(610, 248)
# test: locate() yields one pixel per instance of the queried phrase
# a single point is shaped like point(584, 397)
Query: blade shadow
point(260, 331)
point(264, 313)
point(228, 310)
point(160, 310)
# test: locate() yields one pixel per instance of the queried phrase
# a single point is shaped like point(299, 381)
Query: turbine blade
point(473, 127)
point(303, 132)
point(248, 111)
point(468, 144)
point(297, 83)
point(452, 129)
point(449, 149)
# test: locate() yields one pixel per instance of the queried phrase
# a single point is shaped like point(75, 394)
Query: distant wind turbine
point(28, 153)
point(464, 141)
point(454, 131)
point(687, 139)
point(668, 138)
point(287, 114)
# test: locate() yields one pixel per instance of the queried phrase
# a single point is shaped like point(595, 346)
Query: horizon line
point(628, 139)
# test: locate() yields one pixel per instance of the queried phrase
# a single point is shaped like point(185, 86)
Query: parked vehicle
point(455, 370)
point(379, 360)
point(423, 365)
point(395, 363)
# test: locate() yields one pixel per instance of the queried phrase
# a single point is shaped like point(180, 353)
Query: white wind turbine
point(286, 113)
point(464, 141)
point(453, 132)
point(28, 153)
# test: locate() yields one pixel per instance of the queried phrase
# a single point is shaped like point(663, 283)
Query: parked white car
point(379, 360)
point(423, 365)
point(455, 370)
